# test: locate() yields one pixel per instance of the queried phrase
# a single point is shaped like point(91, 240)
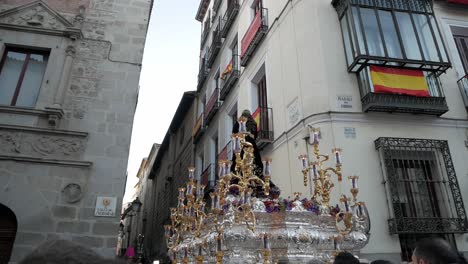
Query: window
point(21, 74)
point(423, 187)
point(390, 32)
point(460, 34)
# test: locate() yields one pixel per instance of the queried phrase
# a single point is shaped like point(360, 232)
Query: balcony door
point(263, 103)
point(460, 34)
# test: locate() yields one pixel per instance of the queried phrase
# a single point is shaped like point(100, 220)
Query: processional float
point(243, 226)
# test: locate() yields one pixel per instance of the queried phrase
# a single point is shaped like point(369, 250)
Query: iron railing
point(229, 16)
point(199, 128)
point(215, 45)
point(435, 104)
point(216, 5)
point(212, 106)
point(264, 118)
point(202, 73)
point(463, 85)
point(423, 189)
point(230, 76)
point(254, 35)
point(206, 31)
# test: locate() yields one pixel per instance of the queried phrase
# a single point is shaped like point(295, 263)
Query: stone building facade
point(69, 76)
point(297, 64)
point(168, 173)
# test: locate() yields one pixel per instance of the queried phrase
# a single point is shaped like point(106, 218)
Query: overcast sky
point(170, 67)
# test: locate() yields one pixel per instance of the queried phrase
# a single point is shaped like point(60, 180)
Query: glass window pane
point(438, 39)
point(32, 81)
point(9, 76)
point(372, 32)
point(391, 37)
point(346, 39)
point(427, 41)
point(408, 36)
point(357, 25)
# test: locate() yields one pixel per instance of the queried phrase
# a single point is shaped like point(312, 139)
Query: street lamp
point(136, 205)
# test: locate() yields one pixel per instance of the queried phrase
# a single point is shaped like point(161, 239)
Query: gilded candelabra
point(242, 180)
point(321, 176)
point(188, 217)
point(240, 227)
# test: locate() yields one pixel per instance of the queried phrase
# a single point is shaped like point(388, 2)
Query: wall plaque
point(105, 206)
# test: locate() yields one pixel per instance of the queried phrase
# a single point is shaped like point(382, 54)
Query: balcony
point(391, 32)
point(216, 5)
point(199, 128)
point(372, 101)
point(202, 74)
point(254, 36)
point(215, 46)
point(228, 19)
point(208, 177)
point(212, 106)
point(226, 153)
point(230, 76)
point(206, 31)
point(264, 118)
point(463, 84)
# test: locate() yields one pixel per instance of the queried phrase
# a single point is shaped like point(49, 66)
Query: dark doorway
point(8, 226)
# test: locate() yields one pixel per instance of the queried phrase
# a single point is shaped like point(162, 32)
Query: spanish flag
point(227, 71)
point(399, 81)
point(256, 117)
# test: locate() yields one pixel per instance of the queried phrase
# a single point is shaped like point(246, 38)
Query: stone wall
point(52, 173)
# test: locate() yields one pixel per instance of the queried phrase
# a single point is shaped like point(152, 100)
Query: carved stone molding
point(71, 51)
point(38, 17)
point(42, 145)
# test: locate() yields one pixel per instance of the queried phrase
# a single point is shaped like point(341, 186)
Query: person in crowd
point(381, 261)
point(345, 258)
point(436, 251)
point(65, 252)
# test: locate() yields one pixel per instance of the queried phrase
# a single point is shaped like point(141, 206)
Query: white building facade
point(299, 64)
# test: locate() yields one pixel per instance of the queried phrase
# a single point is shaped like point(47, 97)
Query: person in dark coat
point(252, 129)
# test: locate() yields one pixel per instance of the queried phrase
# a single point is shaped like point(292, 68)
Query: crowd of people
point(427, 251)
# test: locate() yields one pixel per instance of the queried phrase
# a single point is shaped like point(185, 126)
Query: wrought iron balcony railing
point(435, 104)
point(254, 35)
point(212, 106)
point(463, 84)
point(202, 74)
point(215, 46)
point(206, 31)
point(216, 5)
point(229, 16)
point(199, 128)
point(230, 76)
point(264, 118)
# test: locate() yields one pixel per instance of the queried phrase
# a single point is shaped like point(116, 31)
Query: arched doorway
point(8, 226)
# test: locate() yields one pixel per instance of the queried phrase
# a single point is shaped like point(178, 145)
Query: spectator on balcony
point(251, 137)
